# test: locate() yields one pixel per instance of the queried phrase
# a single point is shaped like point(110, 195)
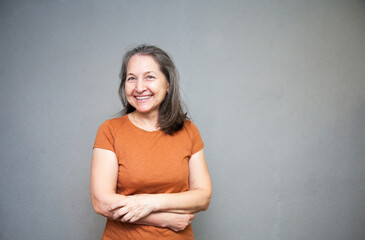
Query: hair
point(171, 116)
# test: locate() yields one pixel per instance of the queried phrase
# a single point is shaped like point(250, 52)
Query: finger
point(134, 219)
point(137, 216)
point(116, 205)
point(121, 212)
point(127, 217)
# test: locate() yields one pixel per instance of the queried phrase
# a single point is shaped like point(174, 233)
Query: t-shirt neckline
point(140, 129)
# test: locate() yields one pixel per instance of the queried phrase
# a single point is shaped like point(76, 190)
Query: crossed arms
point(170, 210)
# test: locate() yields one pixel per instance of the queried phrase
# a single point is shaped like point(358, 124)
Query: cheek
point(162, 87)
point(128, 90)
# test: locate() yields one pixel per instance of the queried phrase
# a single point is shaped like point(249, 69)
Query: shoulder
point(189, 125)
point(114, 124)
point(118, 121)
point(190, 128)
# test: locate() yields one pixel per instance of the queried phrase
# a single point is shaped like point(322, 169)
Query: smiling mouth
point(143, 98)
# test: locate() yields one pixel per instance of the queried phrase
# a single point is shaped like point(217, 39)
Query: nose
point(140, 86)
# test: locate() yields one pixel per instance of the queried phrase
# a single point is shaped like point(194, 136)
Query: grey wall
point(276, 88)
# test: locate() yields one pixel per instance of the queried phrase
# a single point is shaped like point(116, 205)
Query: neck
point(147, 121)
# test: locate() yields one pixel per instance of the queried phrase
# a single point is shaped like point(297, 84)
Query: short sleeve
point(105, 137)
point(197, 141)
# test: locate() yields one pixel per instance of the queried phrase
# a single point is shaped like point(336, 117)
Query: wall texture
point(277, 89)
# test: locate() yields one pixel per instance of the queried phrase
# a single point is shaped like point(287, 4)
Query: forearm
point(102, 207)
point(173, 221)
point(191, 201)
point(158, 219)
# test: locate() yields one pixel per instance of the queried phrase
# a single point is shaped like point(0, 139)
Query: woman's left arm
point(194, 200)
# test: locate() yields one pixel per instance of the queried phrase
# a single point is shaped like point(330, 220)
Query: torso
point(151, 162)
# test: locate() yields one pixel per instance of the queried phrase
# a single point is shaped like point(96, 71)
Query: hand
point(132, 208)
point(179, 222)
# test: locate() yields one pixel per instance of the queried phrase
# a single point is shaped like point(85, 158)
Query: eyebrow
point(144, 73)
point(150, 72)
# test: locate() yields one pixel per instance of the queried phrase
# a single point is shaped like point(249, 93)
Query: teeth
point(143, 98)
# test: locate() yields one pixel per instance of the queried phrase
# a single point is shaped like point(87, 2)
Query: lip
point(143, 98)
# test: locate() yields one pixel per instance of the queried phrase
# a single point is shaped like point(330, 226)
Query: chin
point(143, 110)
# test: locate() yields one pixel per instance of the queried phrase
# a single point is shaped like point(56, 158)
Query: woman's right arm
point(103, 181)
point(103, 185)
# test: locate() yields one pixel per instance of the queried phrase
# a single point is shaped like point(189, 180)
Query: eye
point(131, 78)
point(149, 77)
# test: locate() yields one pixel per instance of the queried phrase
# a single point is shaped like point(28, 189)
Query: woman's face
point(145, 86)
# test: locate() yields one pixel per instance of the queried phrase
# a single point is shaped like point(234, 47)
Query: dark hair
point(171, 116)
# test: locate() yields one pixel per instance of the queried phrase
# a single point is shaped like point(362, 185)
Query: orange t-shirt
point(148, 162)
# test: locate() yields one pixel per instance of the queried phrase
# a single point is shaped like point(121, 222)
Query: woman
point(149, 174)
